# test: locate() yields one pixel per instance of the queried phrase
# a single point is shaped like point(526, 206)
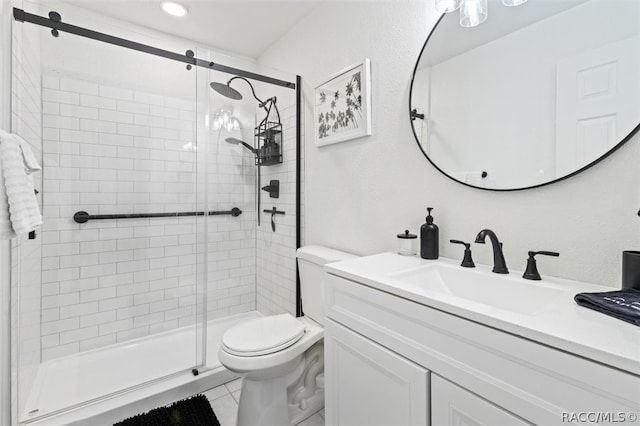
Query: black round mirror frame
point(411, 120)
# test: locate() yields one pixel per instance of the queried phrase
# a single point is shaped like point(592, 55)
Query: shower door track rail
point(54, 22)
point(83, 217)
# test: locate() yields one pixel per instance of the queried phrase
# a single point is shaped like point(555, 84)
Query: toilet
point(281, 357)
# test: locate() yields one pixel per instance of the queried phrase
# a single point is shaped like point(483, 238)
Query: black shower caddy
point(268, 137)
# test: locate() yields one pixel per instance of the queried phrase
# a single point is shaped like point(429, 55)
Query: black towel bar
point(83, 217)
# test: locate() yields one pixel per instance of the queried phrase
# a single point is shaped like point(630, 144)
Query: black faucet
point(467, 261)
point(532, 270)
point(499, 264)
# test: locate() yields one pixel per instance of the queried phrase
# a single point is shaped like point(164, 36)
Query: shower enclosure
point(150, 247)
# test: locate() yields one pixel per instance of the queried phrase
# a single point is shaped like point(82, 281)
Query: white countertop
point(561, 324)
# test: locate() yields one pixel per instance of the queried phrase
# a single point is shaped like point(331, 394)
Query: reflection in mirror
point(533, 95)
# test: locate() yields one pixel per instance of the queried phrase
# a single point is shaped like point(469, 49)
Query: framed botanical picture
point(342, 105)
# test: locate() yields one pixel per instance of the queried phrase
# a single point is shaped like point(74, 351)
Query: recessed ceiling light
point(174, 8)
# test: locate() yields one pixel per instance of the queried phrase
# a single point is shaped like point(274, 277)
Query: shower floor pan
point(138, 375)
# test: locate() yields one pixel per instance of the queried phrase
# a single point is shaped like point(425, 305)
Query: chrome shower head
point(226, 90)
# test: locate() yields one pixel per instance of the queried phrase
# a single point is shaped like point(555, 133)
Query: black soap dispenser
point(429, 238)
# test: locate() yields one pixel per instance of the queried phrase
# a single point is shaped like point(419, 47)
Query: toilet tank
point(311, 260)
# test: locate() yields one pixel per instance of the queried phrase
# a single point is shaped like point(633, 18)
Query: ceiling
point(247, 27)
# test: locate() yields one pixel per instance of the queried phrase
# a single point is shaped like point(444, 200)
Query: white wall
point(360, 194)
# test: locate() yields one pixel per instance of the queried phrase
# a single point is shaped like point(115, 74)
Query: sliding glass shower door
point(227, 177)
point(119, 286)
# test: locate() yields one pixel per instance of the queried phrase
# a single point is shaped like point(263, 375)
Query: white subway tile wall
point(111, 150)
point(276, 251)
point(26, 254)
point(231, 178)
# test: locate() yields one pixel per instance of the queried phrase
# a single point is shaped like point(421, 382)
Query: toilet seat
point(263, 336)
point(243, 364)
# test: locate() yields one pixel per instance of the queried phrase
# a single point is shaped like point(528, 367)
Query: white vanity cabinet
point(371, 385)
point(393, 361)
point(453, 406)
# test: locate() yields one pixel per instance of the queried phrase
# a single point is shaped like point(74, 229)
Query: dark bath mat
point(194, 411)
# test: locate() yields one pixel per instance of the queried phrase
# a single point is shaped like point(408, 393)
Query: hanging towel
point(18, 162)
point(622, 304)
point(30, 161)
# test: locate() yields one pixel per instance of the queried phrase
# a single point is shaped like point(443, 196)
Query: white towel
point(17, 163)
point(6, 230)
point(30, 161)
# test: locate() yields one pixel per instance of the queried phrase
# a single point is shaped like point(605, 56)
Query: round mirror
point(535, 94)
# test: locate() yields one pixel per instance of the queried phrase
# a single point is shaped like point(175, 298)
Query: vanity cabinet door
point(452, 405)
point(369, 385)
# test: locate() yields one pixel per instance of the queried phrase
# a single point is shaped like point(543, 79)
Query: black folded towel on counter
point(621, 304)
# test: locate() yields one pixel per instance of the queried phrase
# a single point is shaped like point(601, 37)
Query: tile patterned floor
point(224, 401)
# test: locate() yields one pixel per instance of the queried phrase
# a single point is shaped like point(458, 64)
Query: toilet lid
point(262, 336)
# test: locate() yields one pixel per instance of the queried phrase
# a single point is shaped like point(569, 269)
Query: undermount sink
point(504, 292)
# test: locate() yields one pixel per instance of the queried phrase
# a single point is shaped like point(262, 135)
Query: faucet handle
point(545, 253)
point(466, 245)
point(532, 270)
point(467, 261)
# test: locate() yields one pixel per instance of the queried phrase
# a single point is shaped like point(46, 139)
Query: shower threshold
point(108, 384)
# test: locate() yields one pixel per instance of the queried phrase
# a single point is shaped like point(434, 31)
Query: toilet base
point(306, 395)
point(314, 404)
point(263, 403)
point(285, 400)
